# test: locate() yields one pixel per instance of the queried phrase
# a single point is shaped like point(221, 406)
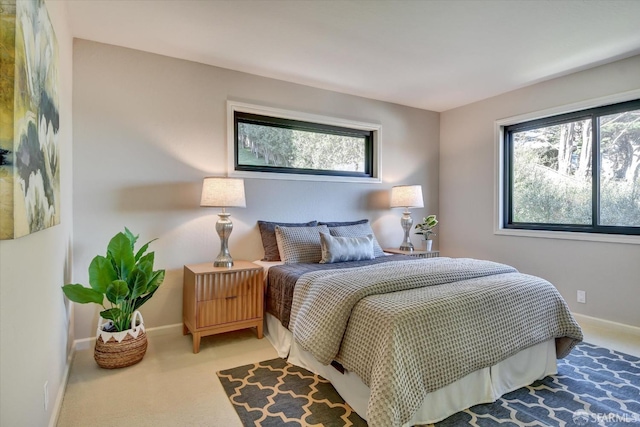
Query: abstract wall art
point(29, 120)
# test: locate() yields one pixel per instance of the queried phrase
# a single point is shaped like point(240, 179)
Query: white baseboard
point(606, 324)
point(55, 413)
point(165, 330)
point(87, 343)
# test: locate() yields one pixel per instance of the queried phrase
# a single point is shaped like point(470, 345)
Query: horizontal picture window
point(289, 147)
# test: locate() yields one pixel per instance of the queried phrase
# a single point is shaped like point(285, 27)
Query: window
point(271, 143)
point(575, 172)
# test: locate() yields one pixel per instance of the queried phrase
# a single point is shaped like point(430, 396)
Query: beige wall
point(148, 128)
point(609, 272)
point(33, 317)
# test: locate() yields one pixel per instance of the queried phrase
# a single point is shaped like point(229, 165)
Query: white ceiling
point(435, 55)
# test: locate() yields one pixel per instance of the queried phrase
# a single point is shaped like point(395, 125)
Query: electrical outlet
point(582, 297)
point(46, 395)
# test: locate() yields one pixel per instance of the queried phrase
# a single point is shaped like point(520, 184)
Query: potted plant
point(127, 280)
point(425, 228)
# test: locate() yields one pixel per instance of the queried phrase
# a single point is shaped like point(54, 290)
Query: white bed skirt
point(482, 386)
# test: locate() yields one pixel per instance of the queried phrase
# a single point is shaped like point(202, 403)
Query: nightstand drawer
point(224, 285)
point(225, 310)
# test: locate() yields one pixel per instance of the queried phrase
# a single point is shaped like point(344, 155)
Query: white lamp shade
point(223, 193)
point(407, 196)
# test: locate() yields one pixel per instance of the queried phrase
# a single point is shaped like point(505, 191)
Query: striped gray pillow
point(300, 244)
point(341, 249)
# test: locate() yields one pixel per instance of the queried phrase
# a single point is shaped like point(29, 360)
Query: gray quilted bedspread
point(408, 328)
point(282, 279)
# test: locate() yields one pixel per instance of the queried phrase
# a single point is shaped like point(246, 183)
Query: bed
point(410, 341)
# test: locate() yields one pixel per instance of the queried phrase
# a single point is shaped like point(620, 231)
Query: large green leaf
point(133, 239)
point(155, 280)
point(117, 291)
point(146, 263)
point(111, 314)
point(154, 283)
point(80, 294)
point(147, 297)
point(144, 267)
point(113, 262)
point(101, 274)
point(143, 249)
point(137, 283)
point(120, 251)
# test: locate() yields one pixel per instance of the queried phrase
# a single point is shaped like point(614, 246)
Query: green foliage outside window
point(552, 171)
point(290, 148)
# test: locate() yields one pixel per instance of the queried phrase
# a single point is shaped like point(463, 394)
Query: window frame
point(242, 112)
point(587, 109)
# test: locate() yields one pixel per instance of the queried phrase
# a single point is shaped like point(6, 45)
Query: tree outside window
point(270, 144)
point(575, 172)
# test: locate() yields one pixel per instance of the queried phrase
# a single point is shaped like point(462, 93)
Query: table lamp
point(406, 196)
point(223, 193)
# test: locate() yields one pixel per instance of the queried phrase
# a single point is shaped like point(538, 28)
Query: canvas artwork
point(29, 119)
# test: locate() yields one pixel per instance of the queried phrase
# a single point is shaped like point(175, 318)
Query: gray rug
point(594, 386)
point(275, 393)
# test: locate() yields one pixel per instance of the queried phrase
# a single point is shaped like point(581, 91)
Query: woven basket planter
point(120, 349)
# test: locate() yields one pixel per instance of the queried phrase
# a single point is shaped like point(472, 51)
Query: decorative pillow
point(300, 244)
point(340, 249)
point(358, 230)
point(268, 234)
point(342, 224)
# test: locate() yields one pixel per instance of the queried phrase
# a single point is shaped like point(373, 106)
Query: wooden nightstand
point(220, 299)
point(417, 254)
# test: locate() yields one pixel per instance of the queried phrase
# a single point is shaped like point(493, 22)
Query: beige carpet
point(170, 387)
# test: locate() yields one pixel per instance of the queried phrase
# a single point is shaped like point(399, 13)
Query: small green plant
point(126, 278)
point(426, 226)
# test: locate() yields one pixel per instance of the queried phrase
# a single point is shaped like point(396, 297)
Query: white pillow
point(358, 230)
point(340, 249)
point(300, 244)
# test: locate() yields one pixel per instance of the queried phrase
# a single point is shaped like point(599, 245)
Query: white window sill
point(565, 235)
point(302, 177)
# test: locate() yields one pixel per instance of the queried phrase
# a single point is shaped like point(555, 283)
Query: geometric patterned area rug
point(594, 386)
point(275, 393)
